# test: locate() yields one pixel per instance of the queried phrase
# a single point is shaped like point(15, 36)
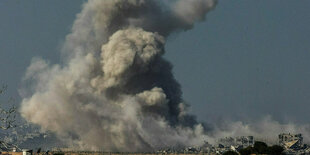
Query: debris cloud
point(115, 91)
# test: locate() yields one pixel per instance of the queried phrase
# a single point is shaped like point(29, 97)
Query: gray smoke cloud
point(115, 91)
point(100, 19)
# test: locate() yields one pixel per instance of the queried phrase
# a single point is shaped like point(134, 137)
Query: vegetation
point(7, 120)
point(230, 153)
point(262, 148)
point(7, 115)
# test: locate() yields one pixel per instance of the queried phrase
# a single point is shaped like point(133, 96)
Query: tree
point(230, 153)
point(7, 116)
point(275, 149)
point(7, 120)
point(262, 148)
point(247, 151)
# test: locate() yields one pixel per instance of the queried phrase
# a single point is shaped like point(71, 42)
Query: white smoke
point(263, 129)
point(115, 91)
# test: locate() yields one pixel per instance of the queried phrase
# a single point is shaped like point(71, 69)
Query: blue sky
point(247, 60)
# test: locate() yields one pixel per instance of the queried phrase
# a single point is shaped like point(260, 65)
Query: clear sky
point(247, 60)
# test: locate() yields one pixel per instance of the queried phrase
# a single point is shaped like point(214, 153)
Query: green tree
point(260, 147)
point(275, 149)
point(230, 153)
point(247, 151)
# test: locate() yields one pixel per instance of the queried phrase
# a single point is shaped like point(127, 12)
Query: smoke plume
point(115, 91)
point(263, 129)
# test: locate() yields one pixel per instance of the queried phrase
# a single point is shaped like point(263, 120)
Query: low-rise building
point(291, 141)
point(237, 142)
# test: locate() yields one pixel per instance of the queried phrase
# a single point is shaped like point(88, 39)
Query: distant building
point(291, 141)
point(226, 142)
point(242, 141)
point(245, 141)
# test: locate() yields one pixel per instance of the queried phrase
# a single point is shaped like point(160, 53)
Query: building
point(291, 141)
point(237, 142)
point(245, 141)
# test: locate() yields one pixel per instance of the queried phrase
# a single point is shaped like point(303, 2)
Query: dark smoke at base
point(115, 91)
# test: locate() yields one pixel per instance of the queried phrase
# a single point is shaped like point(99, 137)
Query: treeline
point(258, 148)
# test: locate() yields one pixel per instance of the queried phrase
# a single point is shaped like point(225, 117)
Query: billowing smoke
point(115, 91)
point(263, 129)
